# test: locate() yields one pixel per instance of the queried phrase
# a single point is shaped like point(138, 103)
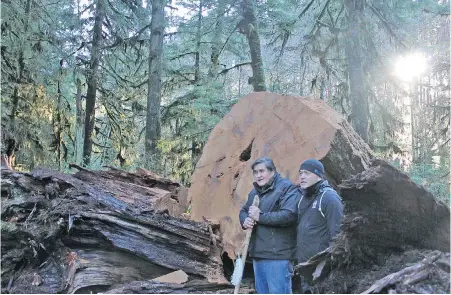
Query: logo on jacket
point(314, 205)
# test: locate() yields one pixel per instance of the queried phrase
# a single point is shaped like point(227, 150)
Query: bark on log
point(387, 210)
point(287, 129)
point(155, 287)
point(90, 231)
point(143, 189)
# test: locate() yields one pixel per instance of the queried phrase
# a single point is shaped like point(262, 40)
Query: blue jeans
point(273, 276)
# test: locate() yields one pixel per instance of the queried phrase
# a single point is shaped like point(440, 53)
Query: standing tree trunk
point(79, 125)
point(198, 37)
point(21, 63)
point(249, 28)
point(195, 151)
point(358, 97)
point(154, 84)
point(413, 114)
point(11, 144)
point(79, 128)
point(92, 80)
point(59, 125)
point(216, 46)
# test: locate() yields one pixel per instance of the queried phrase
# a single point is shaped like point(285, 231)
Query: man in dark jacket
point(273, 241)
point(320, 210)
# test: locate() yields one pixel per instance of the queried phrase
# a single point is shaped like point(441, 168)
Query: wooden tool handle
point(255, 202)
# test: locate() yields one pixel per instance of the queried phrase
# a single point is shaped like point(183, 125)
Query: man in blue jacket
point(273, 242)
point(320, 210)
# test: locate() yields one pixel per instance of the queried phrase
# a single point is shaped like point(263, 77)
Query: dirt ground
point(358, 278)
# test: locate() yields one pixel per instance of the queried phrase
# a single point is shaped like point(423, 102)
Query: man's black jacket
point(320, 211)
point(274, 235)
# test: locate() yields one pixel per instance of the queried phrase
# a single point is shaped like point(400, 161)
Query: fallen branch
point(407, 275)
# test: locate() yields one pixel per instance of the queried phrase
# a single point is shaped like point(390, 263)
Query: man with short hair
point(273, 242)
point(320, 210)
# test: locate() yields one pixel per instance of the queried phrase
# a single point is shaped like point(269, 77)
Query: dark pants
point(273, 276)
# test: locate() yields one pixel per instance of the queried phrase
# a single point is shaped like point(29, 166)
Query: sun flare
point(410, 66)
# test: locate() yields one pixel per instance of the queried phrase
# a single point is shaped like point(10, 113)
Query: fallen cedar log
point(93, 230)
point(155, 287)
point(389, 211)
point(48, 247)
point(389, 222)
point(287, 129)
point(147, 191)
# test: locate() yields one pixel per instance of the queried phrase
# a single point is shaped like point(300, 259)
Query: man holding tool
point(273, 241)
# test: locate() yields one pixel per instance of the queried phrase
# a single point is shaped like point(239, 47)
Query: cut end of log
point(287, 129)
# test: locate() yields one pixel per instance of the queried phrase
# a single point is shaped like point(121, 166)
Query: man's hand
point(254, 212)
point(248, 223)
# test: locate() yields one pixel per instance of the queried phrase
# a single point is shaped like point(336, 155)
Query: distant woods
point(143, 83)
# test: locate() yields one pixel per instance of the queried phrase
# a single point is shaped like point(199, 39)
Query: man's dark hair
point(269, 164)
